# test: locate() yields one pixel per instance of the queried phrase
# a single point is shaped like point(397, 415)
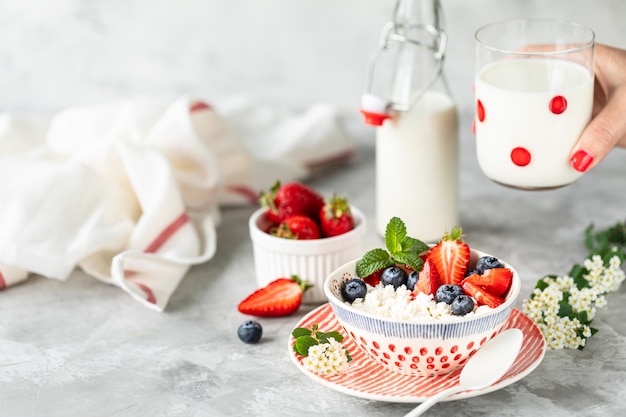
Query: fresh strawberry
point(451, 257)
point(280, 297)
point(335, 216)
point(374, 278)
point(289, 199)
point(428, 279)
point(496, 280)
point(297, 227)
point(481, 295)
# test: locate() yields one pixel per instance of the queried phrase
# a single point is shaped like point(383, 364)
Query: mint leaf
point(372, 261)
point(411, 259)
point(303, 343)
point(300, 331)
point(402, 249)
point(394, 234)
point(410, 244)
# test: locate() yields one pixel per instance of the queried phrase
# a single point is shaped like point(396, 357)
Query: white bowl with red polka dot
point(420, 348)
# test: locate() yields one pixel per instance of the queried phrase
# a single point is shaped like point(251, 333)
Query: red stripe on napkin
point(167, 233)
point(198, 106)
point(149, 294)
point(3, 283)
point(246, 192)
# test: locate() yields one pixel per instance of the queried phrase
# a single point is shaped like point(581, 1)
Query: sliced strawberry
point(374, 278)
point(335, 216)
point(297, 227)
point(481, 295)
point(451, 257)
point(428, 279)
point(496, 280)
point(280, 297)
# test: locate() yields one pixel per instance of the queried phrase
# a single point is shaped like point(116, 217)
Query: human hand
point(607, 127)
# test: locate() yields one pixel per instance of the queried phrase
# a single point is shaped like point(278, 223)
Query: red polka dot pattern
point(426, 360)
point(480, 111)
point(558, 104)
point(520, 156)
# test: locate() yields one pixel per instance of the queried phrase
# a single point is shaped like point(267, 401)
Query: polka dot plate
point(367, 379)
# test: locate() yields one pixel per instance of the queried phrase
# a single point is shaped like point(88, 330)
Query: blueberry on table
point(488, 262)
point(393, 276)
point(353, 289)
point(462, 305)
point(448, 292)
point(250, 332)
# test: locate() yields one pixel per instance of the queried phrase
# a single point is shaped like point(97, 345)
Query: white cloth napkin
point(131, 192)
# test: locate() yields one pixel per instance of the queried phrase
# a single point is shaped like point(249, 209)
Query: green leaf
point(402, 249)
point(542, 283)
point(303, 343)
point(583, 317)
point(372, 261)
point(578, 273)
point(394, 234)
point(411, 259)
point(603, 241)
point(348, 357)
point(300, 331)
point(565, 309)
point(323, 337)
point(410, 244)
point(589, 238)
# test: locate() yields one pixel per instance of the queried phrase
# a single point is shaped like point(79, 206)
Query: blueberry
point(447, 293)
point(393, 276)
point(353, 289)
point(487, 262)
point(462, 305)
point(250, 332)
point(472, 272)
point(412, 280)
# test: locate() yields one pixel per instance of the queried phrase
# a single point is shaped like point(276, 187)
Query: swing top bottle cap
point(375, 109)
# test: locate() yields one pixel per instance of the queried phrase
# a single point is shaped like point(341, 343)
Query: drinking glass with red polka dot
point(533, 97)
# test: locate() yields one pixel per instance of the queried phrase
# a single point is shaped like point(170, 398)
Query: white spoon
point(483, 369)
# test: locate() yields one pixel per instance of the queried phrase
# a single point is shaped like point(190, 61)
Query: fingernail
point(581, 160)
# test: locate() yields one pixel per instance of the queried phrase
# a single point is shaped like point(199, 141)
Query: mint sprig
point(401, 249)
point(305, 338)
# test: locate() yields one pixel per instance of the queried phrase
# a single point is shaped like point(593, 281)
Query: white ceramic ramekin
point(312, 260)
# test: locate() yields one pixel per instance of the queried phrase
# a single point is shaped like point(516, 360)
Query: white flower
point(544, 305)
point(326, 358)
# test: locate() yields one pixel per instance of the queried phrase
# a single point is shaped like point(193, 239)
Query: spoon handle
point(419, 410)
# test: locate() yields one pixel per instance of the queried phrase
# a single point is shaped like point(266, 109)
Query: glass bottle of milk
point(408, 100)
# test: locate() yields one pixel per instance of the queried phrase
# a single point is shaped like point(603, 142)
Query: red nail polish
point(581, 160)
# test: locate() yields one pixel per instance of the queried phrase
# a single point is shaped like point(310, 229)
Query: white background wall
point(57, 53)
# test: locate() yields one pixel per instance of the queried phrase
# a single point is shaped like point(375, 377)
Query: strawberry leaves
point(401, 249)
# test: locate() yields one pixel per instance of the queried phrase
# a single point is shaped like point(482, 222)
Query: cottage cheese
point(398, 304)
